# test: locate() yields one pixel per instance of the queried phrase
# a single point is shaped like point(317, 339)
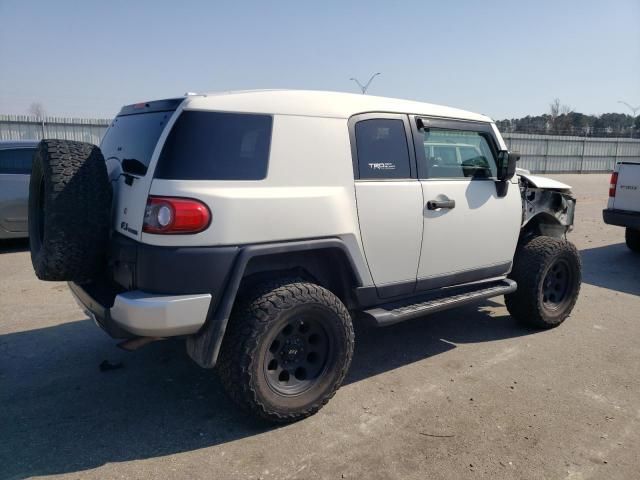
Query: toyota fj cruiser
point(257, 224)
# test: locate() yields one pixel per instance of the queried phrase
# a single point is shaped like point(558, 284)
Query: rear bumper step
point(395, 312)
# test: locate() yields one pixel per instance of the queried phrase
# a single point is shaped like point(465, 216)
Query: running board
point(402, 310)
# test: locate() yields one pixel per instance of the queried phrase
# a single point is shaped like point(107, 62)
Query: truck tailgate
point(628, 188)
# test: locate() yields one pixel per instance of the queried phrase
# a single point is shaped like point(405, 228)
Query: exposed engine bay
point(546, 210)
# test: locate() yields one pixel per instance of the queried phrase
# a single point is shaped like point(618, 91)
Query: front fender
point(537, 181)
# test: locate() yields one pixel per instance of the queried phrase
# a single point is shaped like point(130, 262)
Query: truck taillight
point(172, 215)
point(612, 184)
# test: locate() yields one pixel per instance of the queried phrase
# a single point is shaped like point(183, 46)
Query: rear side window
point(216, 146)
point(16, 160)
point(382, 149)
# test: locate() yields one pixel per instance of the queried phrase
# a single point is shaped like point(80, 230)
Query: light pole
point(634, 110)
point(364, 87)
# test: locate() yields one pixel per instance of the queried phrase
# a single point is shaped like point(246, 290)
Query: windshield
point(134, 137)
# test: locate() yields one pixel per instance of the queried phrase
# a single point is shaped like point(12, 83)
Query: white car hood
point(542, 182)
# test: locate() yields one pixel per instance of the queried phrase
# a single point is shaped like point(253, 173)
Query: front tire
point(548, 272)
point(632, 238)
point(287, 350)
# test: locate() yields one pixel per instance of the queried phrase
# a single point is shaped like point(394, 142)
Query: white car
point(623, 208)
point(257, 224)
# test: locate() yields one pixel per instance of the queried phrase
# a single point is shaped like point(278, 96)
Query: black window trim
point(408, 136)
point(484, 128)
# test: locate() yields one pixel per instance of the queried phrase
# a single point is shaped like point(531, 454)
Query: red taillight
point(175, 215)
point(612, 184)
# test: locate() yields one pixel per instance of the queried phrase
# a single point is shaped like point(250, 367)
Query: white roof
point(318, 104)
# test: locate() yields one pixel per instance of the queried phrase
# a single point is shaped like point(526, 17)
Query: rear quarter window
point(216, 146)
point(17, 161)
point(382, 149)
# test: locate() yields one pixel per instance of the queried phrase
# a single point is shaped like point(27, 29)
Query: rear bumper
point(621, 218)
point(156, 291)
point(137, 313)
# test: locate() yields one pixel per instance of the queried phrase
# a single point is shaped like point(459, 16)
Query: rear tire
point(548, 272)
point(69, 211)
point(632, 238)
point(286, 351)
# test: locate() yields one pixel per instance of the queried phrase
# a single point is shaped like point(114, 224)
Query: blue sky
point(501, 58)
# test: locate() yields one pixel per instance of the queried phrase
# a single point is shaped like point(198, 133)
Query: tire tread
point(76, 211)
point(529, 265)
point(251, 319)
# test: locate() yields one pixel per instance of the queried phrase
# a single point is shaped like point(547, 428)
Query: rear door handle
point(437, 204)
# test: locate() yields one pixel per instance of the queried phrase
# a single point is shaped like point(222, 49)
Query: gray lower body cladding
point(190, 272)
point(174, 271)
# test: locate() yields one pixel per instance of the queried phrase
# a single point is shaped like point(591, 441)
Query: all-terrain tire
point(69, 211)
point(632, 238)
point(548, 272)
point(258, 322)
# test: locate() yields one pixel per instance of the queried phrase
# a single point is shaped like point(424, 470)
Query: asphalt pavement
point(466, 393)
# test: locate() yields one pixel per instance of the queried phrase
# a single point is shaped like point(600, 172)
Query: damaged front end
point(546, 211)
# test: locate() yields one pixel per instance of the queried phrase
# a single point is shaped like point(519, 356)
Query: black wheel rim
point(297, 357)
point(556, 288)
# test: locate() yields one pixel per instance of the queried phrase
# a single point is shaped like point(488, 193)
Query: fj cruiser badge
point(125, 226)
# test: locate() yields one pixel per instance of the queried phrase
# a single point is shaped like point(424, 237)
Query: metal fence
point(540, 153)
point(22, 127)
point(557, 154)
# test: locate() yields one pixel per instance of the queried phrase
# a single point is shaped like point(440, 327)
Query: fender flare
point(204, 346)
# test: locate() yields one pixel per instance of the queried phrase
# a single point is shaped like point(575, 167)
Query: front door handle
point(437, 204)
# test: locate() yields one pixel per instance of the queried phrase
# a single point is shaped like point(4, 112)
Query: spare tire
point(69, 211)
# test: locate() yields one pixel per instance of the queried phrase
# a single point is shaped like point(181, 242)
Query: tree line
point(563, 120)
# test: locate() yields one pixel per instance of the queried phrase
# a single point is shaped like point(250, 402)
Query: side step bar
point(401, 310)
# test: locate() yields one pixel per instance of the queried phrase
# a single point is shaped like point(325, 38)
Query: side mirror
point(507, 165)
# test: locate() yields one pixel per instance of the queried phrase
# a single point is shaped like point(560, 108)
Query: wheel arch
point(327, 262)
point(546, 212)
point(543, 224)
point(327, 266)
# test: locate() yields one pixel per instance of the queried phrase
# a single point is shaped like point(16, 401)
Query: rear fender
point(256, 261)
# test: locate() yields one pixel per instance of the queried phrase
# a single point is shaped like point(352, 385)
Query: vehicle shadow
point(61, 414)
point(14, 245)
point(612, 266)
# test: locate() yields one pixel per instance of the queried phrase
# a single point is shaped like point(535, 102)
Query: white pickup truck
point(623, 208)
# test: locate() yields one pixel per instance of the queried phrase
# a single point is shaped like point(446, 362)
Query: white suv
point(257, 224)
